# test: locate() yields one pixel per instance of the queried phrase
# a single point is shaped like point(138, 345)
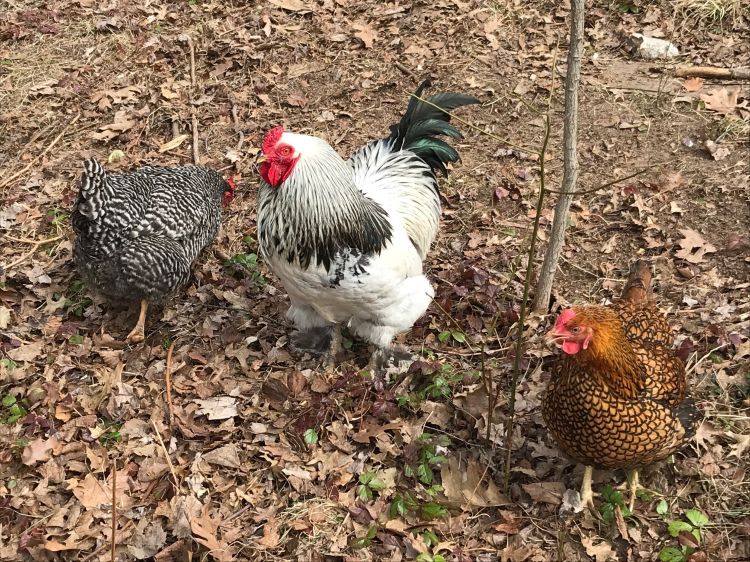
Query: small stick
point(713, 72)
point(237, 128)
point(114, 509)
point(191, 45)
point(168, 382)
point(166, 455)
point(30, 253)
point(45, 151)
point(196, 141)
point(405, 70)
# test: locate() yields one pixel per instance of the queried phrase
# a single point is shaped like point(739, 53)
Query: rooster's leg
point(587, 495)
point(138, 334)
point(633, 487)
point(337, 346)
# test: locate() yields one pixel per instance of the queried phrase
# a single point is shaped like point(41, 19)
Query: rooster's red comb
point(272, 137)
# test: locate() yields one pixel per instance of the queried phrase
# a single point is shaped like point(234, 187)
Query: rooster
point(138, 233)
point(617, 395)
point(348, 238)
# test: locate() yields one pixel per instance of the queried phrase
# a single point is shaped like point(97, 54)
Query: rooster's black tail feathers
point(422, 122)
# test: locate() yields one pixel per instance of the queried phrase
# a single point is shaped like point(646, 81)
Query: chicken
point(616, 398)
point(138, 233)
point(348, 238)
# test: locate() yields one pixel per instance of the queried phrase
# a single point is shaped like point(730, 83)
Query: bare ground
point(268, 456)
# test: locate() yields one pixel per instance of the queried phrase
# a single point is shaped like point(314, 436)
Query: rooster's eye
point(285, 151)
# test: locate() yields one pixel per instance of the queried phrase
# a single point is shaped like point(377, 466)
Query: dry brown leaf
point(224, 456)
point(39, 450)
point(467, 484)
point(174, 143)
point(601, 552)
point(365, 33)
point(270, 538)
point(217, 407)
point(693, 84)
point(547, 492)
point(693, 246)
point(27, 352)
point(290, 5)
point(722, 100)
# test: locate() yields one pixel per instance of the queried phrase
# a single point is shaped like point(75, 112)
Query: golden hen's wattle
point(616, 398)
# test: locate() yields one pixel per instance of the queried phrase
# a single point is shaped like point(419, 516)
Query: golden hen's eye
point(575, 329)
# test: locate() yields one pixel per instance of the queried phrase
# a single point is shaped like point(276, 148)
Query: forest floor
point(269, 456)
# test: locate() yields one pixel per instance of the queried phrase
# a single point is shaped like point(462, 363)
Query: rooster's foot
point(390, 361)
point(315, 341)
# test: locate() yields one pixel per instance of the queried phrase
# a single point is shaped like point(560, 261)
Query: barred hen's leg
point(633, 487)
point(587, 496)
point(138, 334)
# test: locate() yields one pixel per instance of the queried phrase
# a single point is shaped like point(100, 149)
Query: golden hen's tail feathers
point(638, 287)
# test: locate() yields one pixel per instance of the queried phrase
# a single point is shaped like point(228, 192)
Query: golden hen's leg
point(587, 495)
point(138, 334)
point(633, 487)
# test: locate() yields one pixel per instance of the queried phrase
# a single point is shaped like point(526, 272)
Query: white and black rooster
point(347, 238)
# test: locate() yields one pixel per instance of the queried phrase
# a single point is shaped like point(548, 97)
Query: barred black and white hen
point(348, 238)
point(138, 232)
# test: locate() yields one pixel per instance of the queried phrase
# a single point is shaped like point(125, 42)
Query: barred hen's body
point(348, 238)
point(138, 233)
point(619, 402)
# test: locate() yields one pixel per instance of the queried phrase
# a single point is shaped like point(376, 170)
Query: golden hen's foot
point(633, 488)
point(138, 334)
point(587, 495)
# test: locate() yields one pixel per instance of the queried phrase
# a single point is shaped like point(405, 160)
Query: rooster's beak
point(260, 158)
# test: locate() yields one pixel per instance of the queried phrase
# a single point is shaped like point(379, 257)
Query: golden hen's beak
point(553, 338)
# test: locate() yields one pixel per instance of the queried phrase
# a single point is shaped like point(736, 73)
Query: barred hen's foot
point(315, 341)
point(390, 361)
point(137, 334)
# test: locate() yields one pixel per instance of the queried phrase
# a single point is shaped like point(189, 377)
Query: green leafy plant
point(365, 541)
point(440, 384)
point(426, 557)
point(76, 300)
point(8, 363)
point(111, 434)
point(455, 335)
point(611, 500)
point(428, 458)
point(408, 502)
point(247, 262)
point(369, 485)
point(13, 409)
point(310, 436)
point(688, 535)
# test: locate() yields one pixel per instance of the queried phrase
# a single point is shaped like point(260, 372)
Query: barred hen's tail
point(94, 191)
point(638, 287)
point(422, 122)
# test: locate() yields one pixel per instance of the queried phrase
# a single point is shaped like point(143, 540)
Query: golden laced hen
point(616, 398)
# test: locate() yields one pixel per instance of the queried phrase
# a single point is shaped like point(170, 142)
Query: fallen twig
point(168, 382)
point(193, 116)
point(237, 128)
point(166, 455)
point(114, 510)
point(34, 248)
point(713, 72)
point(45, 151)
point(405, 70)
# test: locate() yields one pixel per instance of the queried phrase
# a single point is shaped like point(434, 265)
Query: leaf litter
point(266, 452)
